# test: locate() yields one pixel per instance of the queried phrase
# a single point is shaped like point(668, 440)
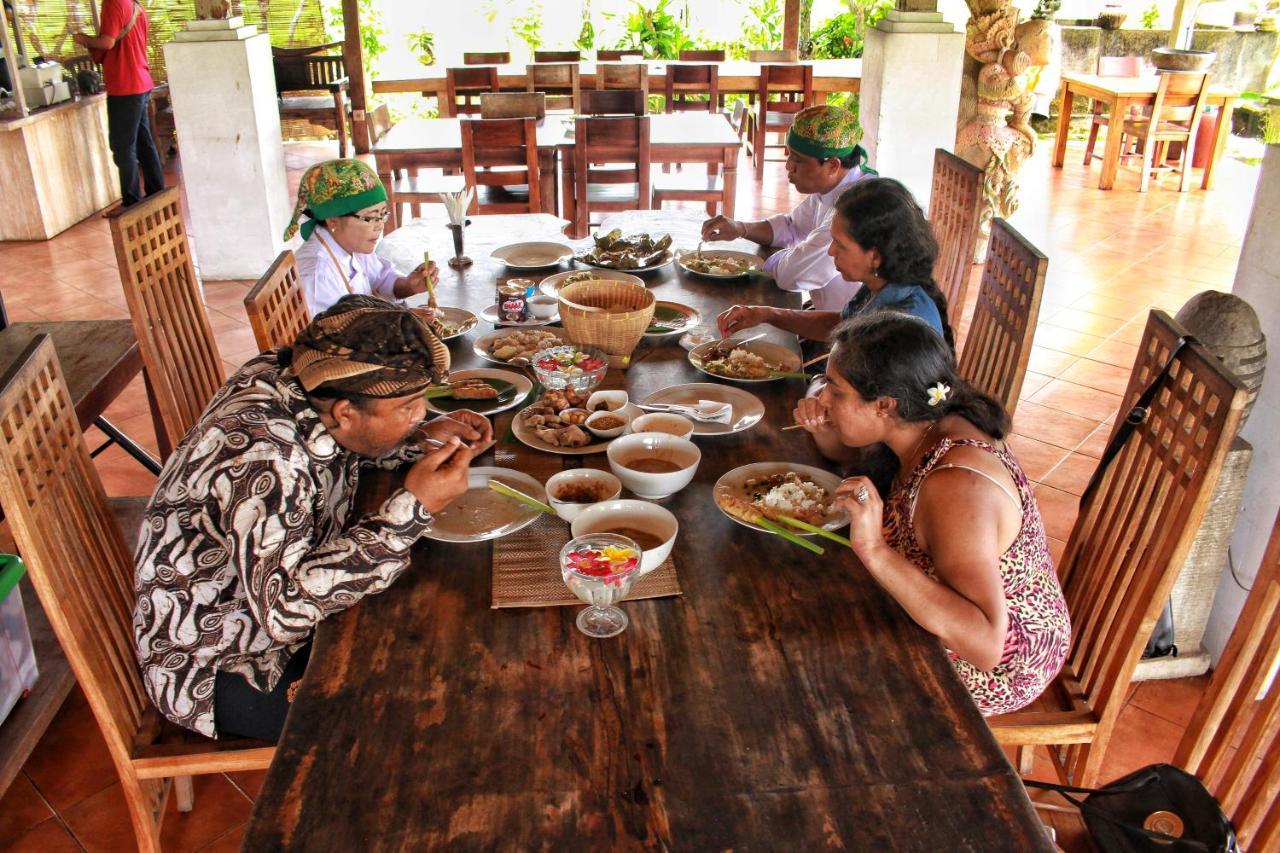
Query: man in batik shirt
point(249, 540)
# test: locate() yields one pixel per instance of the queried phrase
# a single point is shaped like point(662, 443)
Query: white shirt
point(805, 235)
point(322, 281)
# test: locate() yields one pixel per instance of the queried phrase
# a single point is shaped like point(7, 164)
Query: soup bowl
point(667, 423)
point(603, 483)
point(653, 464)
point(642, 522)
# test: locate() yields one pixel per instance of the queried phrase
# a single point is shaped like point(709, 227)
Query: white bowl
point(568, 510)
point(645, 484)
point(543, 307)
point(614, 401)
point(637, 515)
point(666, 423)
point(613, 432)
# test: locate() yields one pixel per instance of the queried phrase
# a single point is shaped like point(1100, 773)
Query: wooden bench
point(296, 76)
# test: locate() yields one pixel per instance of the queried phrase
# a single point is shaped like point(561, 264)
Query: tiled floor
point(1112, 256)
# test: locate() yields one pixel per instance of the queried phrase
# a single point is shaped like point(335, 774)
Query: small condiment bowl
point(575, 416)
point(569, 510)
point(665, 423)
point(648, 484)
point(543, 307)
point(611, 400)
point(612, 432)
point(643, 516)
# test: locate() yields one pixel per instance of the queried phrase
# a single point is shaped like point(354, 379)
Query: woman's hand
point(866, 515)
point(472, 428)
point(416, 281)
point(814, 415)
point(723, 228)
point(739, 317)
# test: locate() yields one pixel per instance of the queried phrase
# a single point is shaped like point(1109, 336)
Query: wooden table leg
point(547, 181)
point(1219, 143)
point(730, 179)
point(1111, 155)
point(570, 211)
point(1064, 127)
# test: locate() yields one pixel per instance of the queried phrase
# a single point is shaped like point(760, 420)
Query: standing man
point(823, 160)
point(121, 47)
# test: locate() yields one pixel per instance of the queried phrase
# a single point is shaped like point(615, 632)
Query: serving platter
point(485, 342)
point(535, 255)
point(781, 357)
point(491, 315)
point(481, 513)
point(733, 483)
point(753, 262)
point(661, 261)
point(512, 389)
point(527, 436)
point(551, 284)
point(678, 316)
point(748, 409)
point(460, 319)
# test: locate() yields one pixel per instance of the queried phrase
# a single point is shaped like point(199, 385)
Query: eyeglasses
point(376, 219)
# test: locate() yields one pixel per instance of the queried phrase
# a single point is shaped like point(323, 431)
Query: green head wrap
point(334, 188)
point(824, 132)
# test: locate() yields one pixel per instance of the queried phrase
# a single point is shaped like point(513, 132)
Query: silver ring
point(861, 495)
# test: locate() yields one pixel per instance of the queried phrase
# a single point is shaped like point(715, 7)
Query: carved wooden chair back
point(308, 73)
point(463, 88)
point(492, 58)
point(276, 305)
point(501, 152)
point(622, 145)
point(998, 344)
point(1129, 542)
point(83, 572)
point(169, 318)
point(513, 105)
point(622, 75)
point(613, 102)
point(954, 206)
point(687, 86)
point(557, 56)
point(561, 82)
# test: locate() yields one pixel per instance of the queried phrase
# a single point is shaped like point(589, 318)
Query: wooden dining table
point(783, 700)
point(1121, 93)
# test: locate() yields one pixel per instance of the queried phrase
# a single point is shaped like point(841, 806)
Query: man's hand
point(81, 39)
point(723, 228)
point(473, 429)
point(441, 476)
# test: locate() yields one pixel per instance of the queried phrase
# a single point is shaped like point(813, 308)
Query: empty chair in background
point(557, 56)
point(493, 58)
point(500, 159)
point(559, 81)
point(463, 88)
point(784, 91)
point(611, 167)
point(626, 102)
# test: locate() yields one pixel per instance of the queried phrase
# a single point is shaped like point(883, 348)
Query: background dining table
point(783, 700)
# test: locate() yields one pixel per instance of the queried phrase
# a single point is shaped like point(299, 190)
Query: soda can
point(512, 307)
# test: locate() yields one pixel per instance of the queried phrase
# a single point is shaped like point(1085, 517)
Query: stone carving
point(1229, 328)
point(213, 10)
point(994, 131)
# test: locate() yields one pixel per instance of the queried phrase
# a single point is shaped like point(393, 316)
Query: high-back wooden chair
point(1109, 66)
point(463, 88)
point(1175, 117)
point(702, 56)
point(792, 55)
point(1129, 543)
point(784, 90)
point(169, 318)
point(276, 305)
point(82, 570)
point(314, 88)
point(559, 80)
point(611, 167)
point(499, 158)
point(692, 88)
point(998, 345)
point(557, 56)
point(954, 206)
point(502, 57)
point(618, 55)
point(380, 122)
point(513, 105)
point(613, 102)
point(622, 75)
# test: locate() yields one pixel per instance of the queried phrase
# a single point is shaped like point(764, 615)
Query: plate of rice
point(783, 488)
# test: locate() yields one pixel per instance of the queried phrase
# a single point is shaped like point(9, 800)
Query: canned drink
point(1166, 823)
point(512, 306)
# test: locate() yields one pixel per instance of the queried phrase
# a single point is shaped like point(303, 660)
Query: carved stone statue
point(994, 131)
point(213, 10)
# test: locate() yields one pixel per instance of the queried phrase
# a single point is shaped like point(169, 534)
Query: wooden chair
point(500, 159)
point(502, 57)
point(954, 207)
point(276, 305)
point(560, 81)
point(1236, 721)
point(998, 344)
point(784, 90)
point(792, 55)
point(623, 75)
point(620, 143)
point(160, 285)
point(464, 87)
point(618, 55)
point(693, 88)
point(513, 105)
point(557, 56)
point(298, 75)
point(82, 570)
point(702, 56)
point(613, 102)
point(1129, 543)
point(1108, 66)
point(1175, 117)
point(380, 122)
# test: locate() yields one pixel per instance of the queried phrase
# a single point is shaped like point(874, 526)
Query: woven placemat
point(526, 570)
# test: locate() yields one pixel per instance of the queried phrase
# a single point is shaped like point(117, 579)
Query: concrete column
point(910, 101)
point(1258, 283)
point(224, 105)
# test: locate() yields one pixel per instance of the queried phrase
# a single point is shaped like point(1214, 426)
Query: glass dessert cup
point(599, 569)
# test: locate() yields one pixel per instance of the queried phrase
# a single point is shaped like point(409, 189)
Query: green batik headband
point(810, 148)
point(341, 206)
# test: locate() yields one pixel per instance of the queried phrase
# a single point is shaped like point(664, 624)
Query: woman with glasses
point(340, 212)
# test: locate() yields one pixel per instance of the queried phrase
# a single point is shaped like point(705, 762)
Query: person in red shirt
point(122, 41)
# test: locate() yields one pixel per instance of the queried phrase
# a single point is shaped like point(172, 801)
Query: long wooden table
point(736, 77)
point(784, 701)
point(1119, 94)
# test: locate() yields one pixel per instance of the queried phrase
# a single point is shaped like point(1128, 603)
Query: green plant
point(655, 31)
point(424, 44)
point(371, 31)
point(841, 37)
point(761, 28)
point(528, 27)
point(1046, 9)
point(1151, 16)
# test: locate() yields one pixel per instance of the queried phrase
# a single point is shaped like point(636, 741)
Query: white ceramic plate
point(490, 315)
point(532, 256)
point(551, 284)
point(747, 407)
point(663, 259)
point(733, 483)
point(481, 513)
point(460, 318)
point(754, 262)
point(681, 317)
point(483, 343)
point(522, 384)
point(527, 436)
point(775, 354)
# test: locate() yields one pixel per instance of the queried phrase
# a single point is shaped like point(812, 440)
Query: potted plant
point(424, 44)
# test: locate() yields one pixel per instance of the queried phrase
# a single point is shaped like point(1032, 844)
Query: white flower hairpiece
point(938, 393)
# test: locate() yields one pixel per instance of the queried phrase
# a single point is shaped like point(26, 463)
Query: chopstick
point(798, 426)
point(820, 531)
point(817, 358)
point(789, 374)
point(789, 536)
point(504, 489)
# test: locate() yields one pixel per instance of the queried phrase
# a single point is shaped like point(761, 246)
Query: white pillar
point(910, 100)
point(224, 105)
point(1258, 283)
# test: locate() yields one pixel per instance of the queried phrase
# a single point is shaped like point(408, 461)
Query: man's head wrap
point(334, 188)
point(825, 132)
point(368, 347)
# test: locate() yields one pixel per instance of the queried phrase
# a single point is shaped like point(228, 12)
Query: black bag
point(1115, 813)
point(88, 81)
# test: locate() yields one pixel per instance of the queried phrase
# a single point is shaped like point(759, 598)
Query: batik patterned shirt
point(248, 543)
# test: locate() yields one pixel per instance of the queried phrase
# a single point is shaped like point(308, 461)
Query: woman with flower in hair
point(958, 542)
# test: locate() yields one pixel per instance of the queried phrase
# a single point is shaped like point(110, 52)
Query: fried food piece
point(472, 389)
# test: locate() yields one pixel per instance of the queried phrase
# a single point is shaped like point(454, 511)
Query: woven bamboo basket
point(608, 315)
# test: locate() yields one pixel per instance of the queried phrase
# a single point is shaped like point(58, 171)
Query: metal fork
point(727, 345)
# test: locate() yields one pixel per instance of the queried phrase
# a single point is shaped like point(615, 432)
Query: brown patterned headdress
point(369, 347)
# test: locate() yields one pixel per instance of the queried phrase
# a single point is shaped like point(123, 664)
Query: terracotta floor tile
point(71, 761)
point(122, 475)
point(1056, 547)
point(1131, 332)
point(1036, 458)
point(1077, 400)
point(21, 809)
point(1058, 509)
point(218, 806)
point(1064, 340)
point(1049, 362)
point(48, 837)
point(1096, 442)
point(1072, 473)
point(1033, 382)
point(101, 823)
point(228, 842)
point(1109, 306)
point(1139, 738)
point(1116, 353)
point(1173, 699)
point(1095, 374)
point(1051, 425)
point(1083, 321)
point(249, 781)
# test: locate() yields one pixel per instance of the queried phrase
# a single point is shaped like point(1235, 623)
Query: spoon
point(727, 345)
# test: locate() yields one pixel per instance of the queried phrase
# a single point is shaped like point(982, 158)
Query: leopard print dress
point(1039, 628)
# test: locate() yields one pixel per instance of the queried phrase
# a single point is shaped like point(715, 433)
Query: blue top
point(907, 298)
